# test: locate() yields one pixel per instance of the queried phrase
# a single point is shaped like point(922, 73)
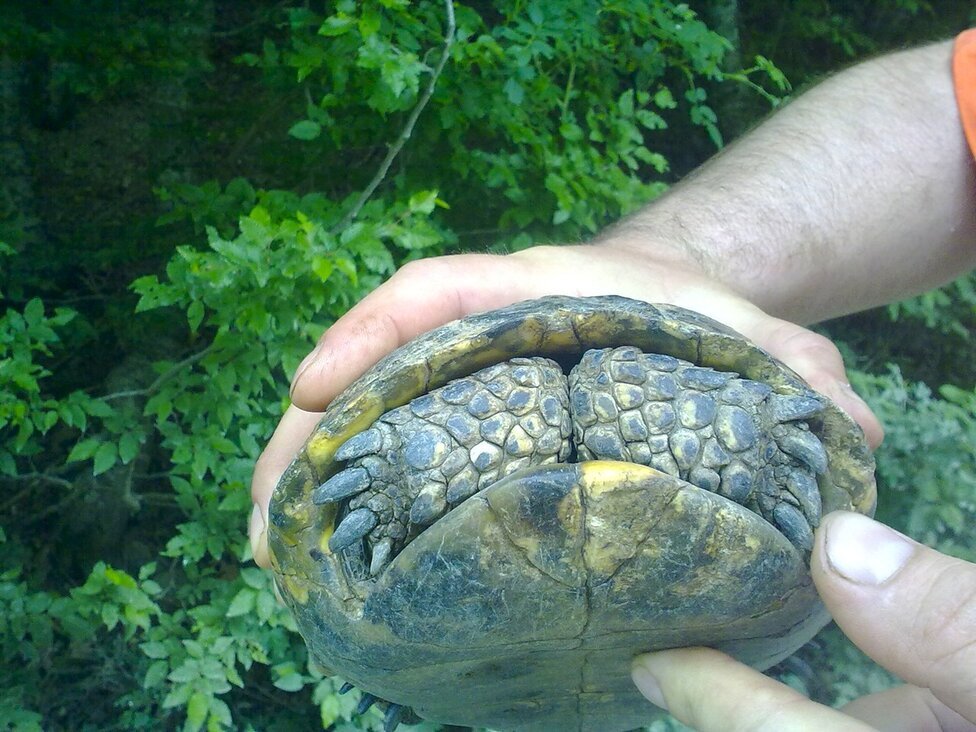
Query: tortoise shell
point(490, 523)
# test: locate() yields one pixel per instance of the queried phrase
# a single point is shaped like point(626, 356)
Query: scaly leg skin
point(733, 436)
point(420, 460)
point(726, 434)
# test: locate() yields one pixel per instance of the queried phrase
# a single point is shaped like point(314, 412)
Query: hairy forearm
point(860, 192)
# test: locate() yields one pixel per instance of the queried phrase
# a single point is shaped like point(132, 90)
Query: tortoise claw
point(357, 446)
point(805, 490)
point(805, 447)
point(343, 484)
point(784, 408)
point(381, 556)
point(353, 527)
point(365, 703)
point(391, 720)
point(794, 525)
point(346, 688)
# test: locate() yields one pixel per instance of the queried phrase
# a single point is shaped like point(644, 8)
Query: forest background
point(191, 192)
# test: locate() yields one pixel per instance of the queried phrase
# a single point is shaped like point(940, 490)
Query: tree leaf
point(243, 603)
point(305, 130)
point(84, 449)
point(194, 315)
point(106, 456)
point(196, 710)
point(129, 446)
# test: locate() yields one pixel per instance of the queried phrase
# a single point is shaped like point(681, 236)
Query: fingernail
point(864, 551)
point(848, 390)
point(303, 366)
point(647, 684)
point(256, 528)
point(852, 403)
point(277, 593)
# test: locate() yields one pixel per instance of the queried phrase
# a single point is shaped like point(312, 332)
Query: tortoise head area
point(537, 592)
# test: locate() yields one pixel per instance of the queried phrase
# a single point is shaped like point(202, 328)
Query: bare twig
point(162, 379)
point(14, 499)
point(25, 492)
point(72, 489)
point(43, 477)
point(257, 20)
point(407, 130)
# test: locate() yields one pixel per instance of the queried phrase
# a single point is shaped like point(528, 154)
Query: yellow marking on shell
point(569, 510)
point(321, 446)
point(410, 381)
point(715, 545)
point(327, 531)
point(298, 513)
point(605, 547)
point(295, 587)
point(529, 543)
point(477, 349)
point(473, 355)
point(601, 476)
point(866, 502)
point(557, 341)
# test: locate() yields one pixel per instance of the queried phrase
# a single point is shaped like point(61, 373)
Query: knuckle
point(815, 347)
point(426, 271)
point(416, 269)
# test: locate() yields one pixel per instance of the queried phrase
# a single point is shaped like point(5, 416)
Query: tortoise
point(488, 525)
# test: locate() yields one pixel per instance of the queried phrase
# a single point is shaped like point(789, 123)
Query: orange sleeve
point(964, 77)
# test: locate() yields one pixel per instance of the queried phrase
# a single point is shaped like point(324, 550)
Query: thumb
point(910, 608)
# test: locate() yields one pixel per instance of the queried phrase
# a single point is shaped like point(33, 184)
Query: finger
point(906, 709)
point(289, 436)
point(817, 360)
point(708, 691)
point(420, 296)
point(910, 608)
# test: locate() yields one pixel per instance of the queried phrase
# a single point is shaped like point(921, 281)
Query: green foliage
point(549, 119)
point(151, 324)
point(92, 49)
point(809, 38)
point(553, 107)
point(24, 412)
point(927, 476)
point(949, 310)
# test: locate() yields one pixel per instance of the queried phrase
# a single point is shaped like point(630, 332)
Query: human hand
point(910, 608)
point(428, 293)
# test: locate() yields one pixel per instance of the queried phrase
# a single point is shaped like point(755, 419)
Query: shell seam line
point(637, 547)
point(588, 602)
point(521, 550)
point(576, 335)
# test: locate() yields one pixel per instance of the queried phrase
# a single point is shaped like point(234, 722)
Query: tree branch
point(24, 492)
point(407, 130)
point(162, 378)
